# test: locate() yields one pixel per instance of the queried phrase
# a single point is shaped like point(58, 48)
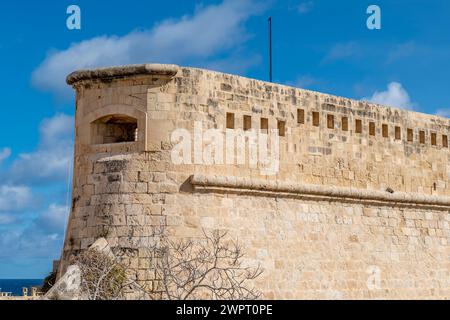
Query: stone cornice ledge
point(295, 189)
point(169, 70)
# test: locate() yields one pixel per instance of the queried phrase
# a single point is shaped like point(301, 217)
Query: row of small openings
point(372, 128)
point(281, 126)
point(264, 124)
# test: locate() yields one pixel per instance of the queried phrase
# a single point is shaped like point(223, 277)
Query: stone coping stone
point(169, 70)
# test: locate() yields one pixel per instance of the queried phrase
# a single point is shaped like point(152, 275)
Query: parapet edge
point(169, 70)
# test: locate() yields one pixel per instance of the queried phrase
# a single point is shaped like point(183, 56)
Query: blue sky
point(318, 44)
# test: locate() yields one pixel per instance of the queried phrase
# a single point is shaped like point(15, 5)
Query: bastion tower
point(358, 205)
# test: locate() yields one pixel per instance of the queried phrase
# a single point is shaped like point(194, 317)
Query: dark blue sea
point(15, 286)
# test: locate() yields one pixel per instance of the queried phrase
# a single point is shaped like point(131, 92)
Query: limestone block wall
point(362, 190)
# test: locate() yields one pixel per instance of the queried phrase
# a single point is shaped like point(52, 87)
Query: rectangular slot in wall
point(410, 135)
point(422, 137)
point(114, 128)
point(330, 121)
point(444, 141)
point(264, 125)
point(300, 116)
point(344, 123)
point(247, 123)
point(385, 130)
point(230, 120)
point(315, 119)
point(398, 133)
point(371, 128)
point(358, 126)
point(281, 128)
point(433, 139)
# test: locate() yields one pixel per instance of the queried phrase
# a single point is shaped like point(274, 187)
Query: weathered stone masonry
point(361, 187)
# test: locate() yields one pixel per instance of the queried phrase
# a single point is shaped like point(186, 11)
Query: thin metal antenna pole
point(270, 49)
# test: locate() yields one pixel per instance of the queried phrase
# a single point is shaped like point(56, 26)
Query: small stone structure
point(5, 294)
point(35, 294)
point(359, 206)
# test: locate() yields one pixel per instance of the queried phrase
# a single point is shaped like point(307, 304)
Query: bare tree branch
point(210, 268)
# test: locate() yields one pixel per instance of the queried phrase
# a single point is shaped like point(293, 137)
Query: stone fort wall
point(361, 189)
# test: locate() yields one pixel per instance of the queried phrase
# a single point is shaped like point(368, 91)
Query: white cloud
point(443, 112)
point(395, 96)
point(14, 198)
point(305, 7)
point(343, 51)
point(235, 64)
point(305, 82)
point(51, 160)
point(31, 228)
point(56, 131)
point(41, 238)
point(212, 29)
point(402, 51)
point(4, 154)
point(6, 219)
point(54, 219)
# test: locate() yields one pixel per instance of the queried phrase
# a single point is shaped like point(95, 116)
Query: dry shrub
point(208, 268)
point(102, 277)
